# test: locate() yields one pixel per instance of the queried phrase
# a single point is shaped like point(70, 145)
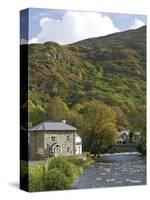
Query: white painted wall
point(77, 138)
point(78, 147)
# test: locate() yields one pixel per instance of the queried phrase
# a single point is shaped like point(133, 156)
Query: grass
point(57, 174)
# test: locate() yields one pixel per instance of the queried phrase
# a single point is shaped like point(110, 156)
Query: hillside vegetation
point(109, 69)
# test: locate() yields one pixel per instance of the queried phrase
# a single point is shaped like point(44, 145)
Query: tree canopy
point(98, 126)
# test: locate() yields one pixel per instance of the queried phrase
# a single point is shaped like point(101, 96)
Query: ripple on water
point(128, 170)
point(107, 170)
point(110, 180)
point(102, 174)
point(99, 179)
point(118, 182)
point(125, 170)
point(133, 181)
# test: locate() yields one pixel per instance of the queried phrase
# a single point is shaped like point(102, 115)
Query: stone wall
point(41, 141)
point(36, 150)
point(60, 139)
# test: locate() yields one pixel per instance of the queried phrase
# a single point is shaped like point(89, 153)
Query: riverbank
point(57, 173)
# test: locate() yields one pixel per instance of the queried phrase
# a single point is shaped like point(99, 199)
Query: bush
point(63, 165)
point(24, 175)
point(36, 178)
point(77, 161)
point(142, 148)
point(58, 174)
point(55, 179)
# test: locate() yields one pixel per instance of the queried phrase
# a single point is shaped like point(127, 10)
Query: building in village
point(126, 137)
point(49, 139)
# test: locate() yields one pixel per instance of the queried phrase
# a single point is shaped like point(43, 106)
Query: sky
point(66, 27)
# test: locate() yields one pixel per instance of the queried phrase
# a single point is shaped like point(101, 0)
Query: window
point(53, 138)
point(68, 149)
point(67, 137)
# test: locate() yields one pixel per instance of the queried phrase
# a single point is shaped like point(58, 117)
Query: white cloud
point(74, 26)
point(137, 24)
point(33, 40)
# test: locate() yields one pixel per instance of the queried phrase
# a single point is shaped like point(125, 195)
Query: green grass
point(57, 174)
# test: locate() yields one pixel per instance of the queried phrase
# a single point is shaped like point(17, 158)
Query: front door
point(57, 150)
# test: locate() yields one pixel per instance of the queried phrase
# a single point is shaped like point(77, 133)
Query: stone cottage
point(49, 139)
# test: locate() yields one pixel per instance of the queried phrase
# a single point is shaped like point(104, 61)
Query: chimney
point(64, 121)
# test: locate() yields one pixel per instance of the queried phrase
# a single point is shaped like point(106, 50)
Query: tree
point(138, 121)
point(36, 112)
point(98, 126)
point(122, 119)
point(57, 110)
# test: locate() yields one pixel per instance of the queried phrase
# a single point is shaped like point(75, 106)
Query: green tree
point(138, 122)
point(57, 110)
point(36, 112)
point(98, 126)
point(121, 118)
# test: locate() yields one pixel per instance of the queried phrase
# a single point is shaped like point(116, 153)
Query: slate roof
point(53, 126)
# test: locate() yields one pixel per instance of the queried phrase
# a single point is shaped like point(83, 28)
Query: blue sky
point(67, 27)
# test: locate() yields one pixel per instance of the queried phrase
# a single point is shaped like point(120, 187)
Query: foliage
point(36, 112)
point(81, 162)
point(55, 179)
point(121, 118)
point(62, 164)
point(57, 110)
point(77, 161)
point(98, 126)
point(36, 178)
point(24, 175)
point(111, 69)
point(138, 119)
point(57, 174)
point(142, 145)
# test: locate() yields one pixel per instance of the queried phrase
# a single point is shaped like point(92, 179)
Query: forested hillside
point(109, 69)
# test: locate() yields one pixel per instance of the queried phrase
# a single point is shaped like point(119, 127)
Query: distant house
point(49, 139)
point(128, 137)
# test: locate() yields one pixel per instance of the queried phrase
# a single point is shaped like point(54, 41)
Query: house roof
point(127, 133)
point(53, 126)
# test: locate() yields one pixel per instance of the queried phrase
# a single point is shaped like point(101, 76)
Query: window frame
point(68, 149)
point(67, 138)
point(53, 138)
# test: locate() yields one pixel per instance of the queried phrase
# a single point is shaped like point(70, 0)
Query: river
point(122, 169)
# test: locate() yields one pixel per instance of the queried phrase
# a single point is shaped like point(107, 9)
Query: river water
point(122, 169)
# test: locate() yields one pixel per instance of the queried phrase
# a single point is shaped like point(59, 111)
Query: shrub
point(77, 161)
point(63, 165)
point(24, 175)
point(142, 148)
point(55, 179)
point(36, 178)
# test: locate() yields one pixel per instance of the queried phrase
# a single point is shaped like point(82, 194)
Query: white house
point(126, 137)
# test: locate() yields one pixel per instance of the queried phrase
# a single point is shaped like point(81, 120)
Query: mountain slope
point(111, 69)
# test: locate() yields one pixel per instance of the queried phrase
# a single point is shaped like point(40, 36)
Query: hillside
point(111, 69)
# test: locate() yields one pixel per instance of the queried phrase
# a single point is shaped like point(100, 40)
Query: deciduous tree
point(98, 126)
